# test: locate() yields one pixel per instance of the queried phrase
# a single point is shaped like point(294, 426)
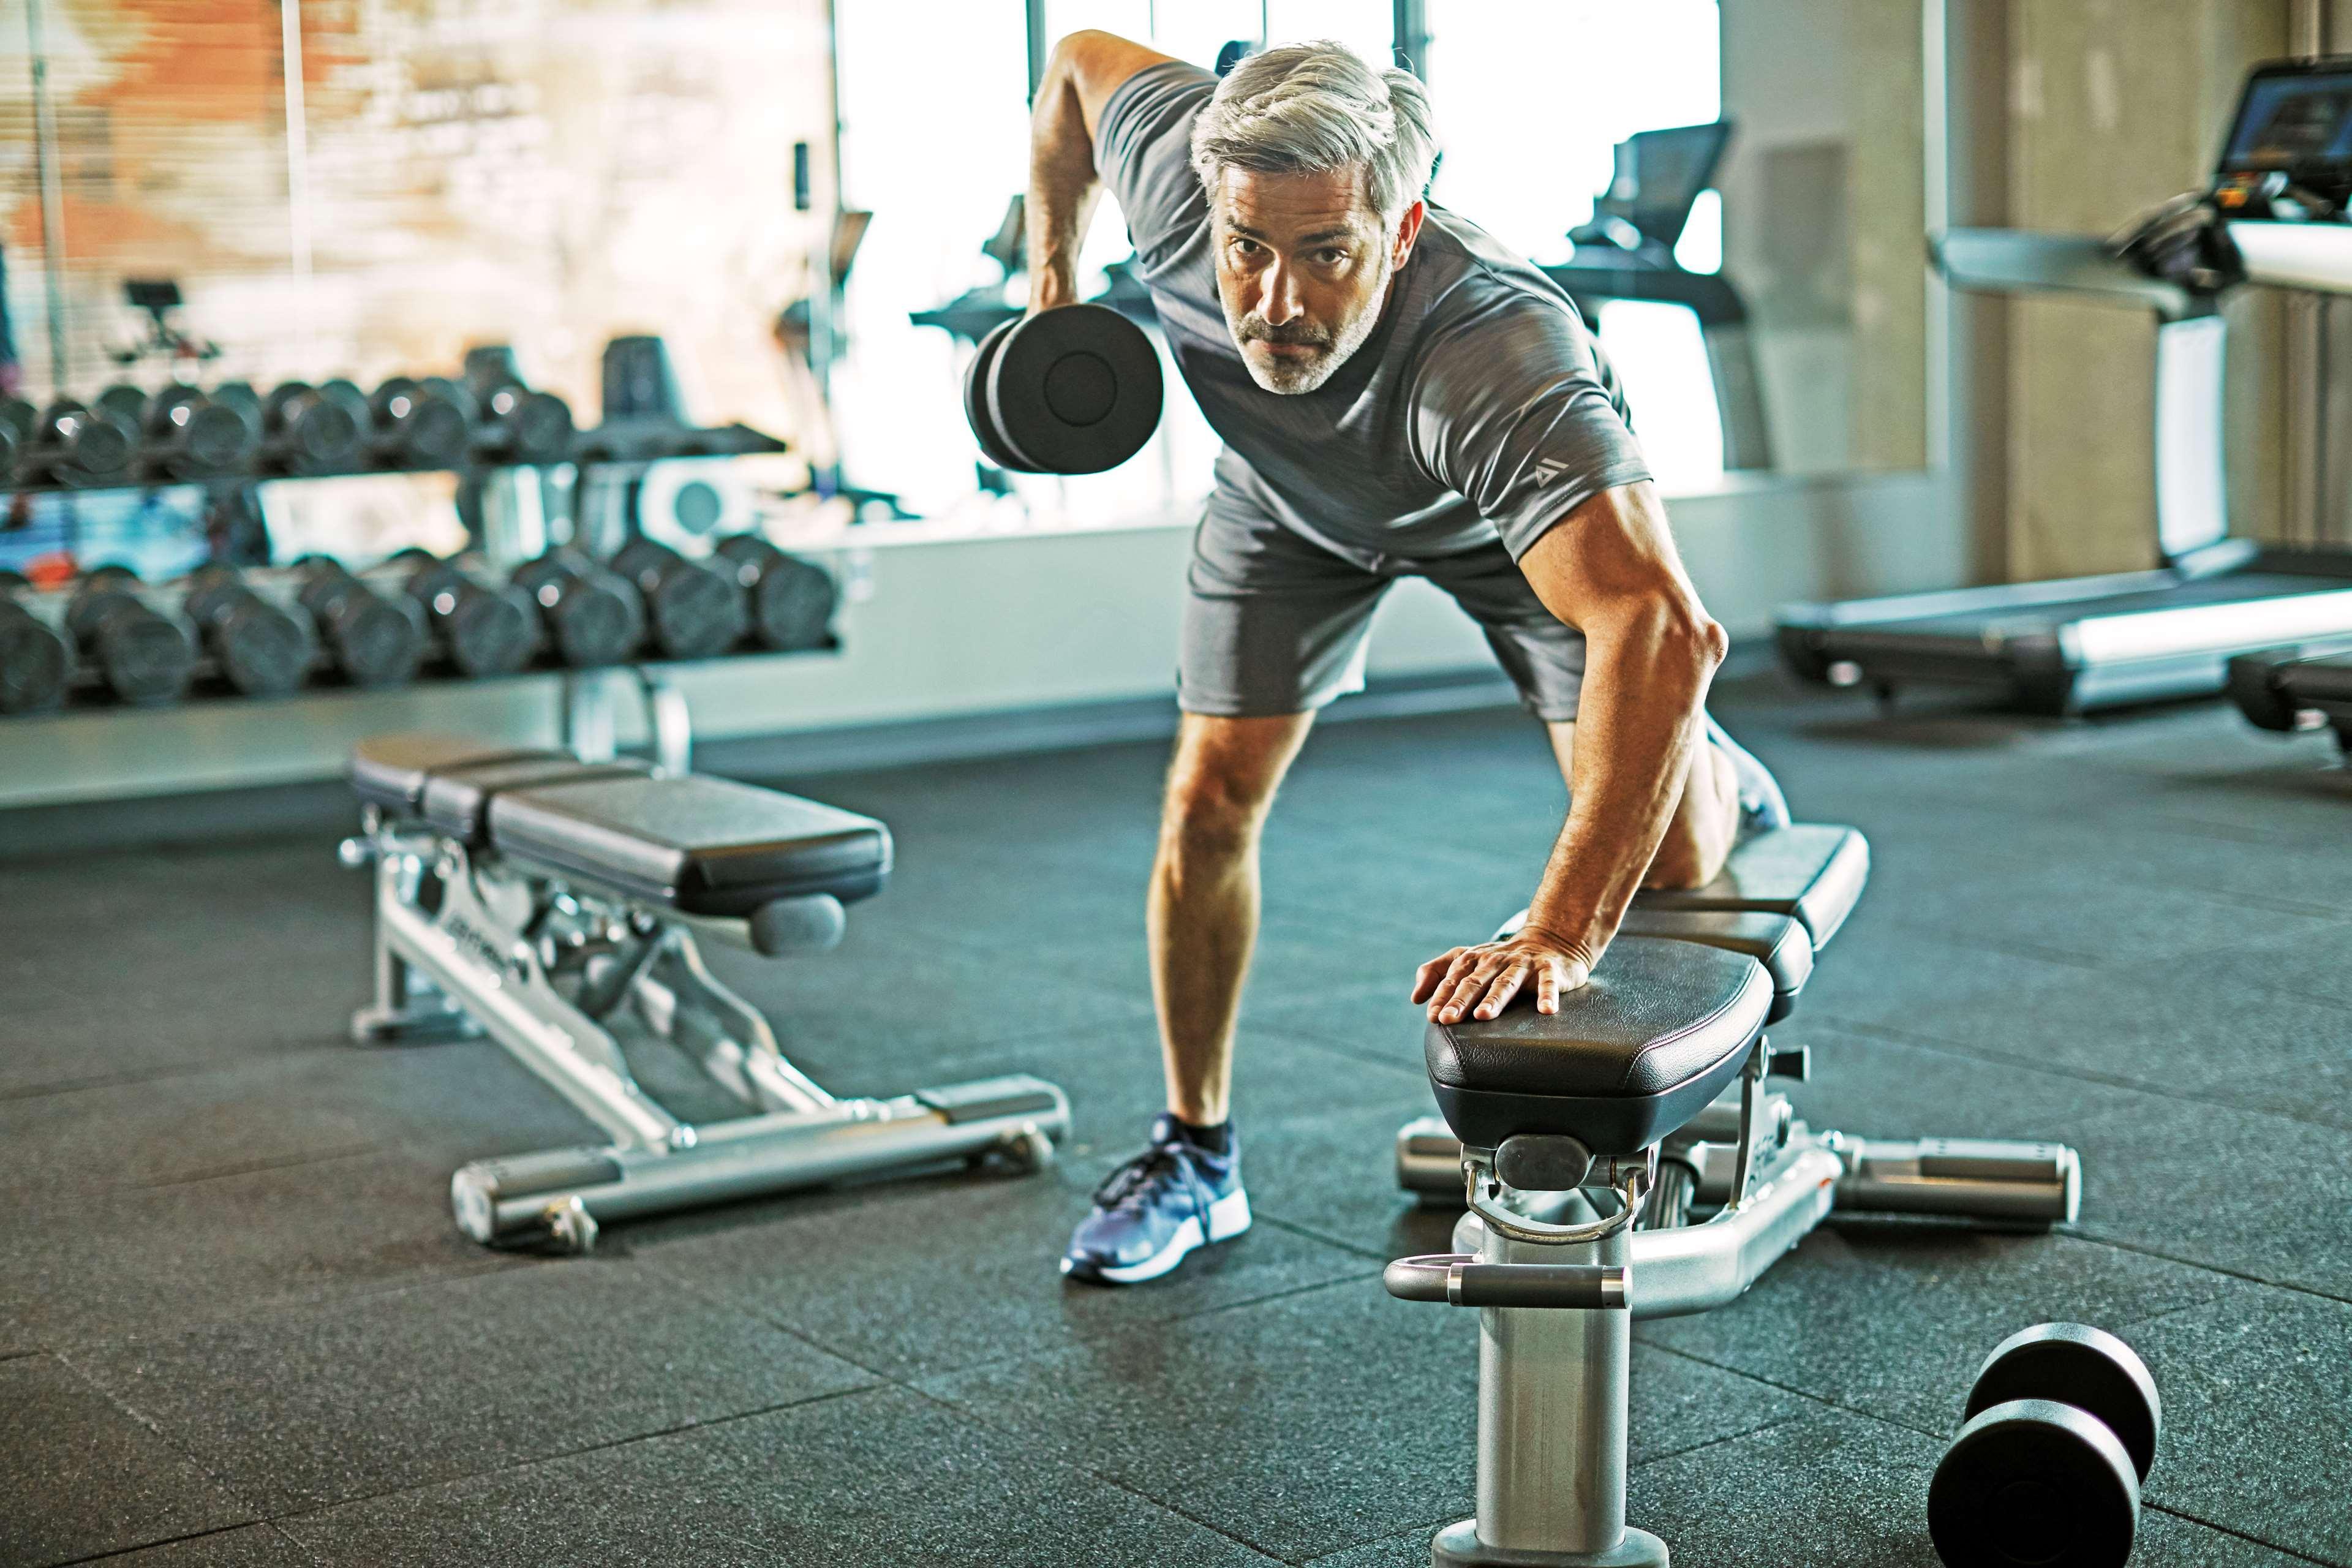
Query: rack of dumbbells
point(104, 638)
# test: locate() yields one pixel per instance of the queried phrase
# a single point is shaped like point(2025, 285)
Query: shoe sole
point(1228, 1217)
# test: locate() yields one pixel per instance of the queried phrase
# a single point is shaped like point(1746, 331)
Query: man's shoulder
point(1493, 327)
point(1475, 279)
point(1141, 113)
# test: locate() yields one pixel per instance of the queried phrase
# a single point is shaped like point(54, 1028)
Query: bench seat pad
point(1779, 942)
point(390, 770)
point(1659, 1031)
point(457, 799)
point(1812, 871)
point(699, 845)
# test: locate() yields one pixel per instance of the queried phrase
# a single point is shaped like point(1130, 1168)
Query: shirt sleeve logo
point(1548, 469)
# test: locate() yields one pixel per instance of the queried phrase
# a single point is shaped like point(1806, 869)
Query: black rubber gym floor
point(236, 1325)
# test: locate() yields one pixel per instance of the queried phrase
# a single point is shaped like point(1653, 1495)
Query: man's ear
point(1408, 229)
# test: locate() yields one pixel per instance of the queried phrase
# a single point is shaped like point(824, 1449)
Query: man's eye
point(1246, 247)
point(1331, 258)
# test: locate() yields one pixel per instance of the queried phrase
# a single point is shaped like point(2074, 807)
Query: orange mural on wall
point(544, 173)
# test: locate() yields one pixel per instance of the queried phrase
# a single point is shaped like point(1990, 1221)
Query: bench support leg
point(1553, 1386)
point(408, 1009)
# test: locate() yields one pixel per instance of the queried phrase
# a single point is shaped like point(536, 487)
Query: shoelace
point(1131, 1185)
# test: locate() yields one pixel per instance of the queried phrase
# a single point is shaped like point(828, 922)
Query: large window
point(934, 141)
point(1531, 95)
point(1531, 99)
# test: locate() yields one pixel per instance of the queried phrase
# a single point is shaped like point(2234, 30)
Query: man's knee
point(1684, 862)
point(1211, 814)
point(1704, 824)
point(1222, 783)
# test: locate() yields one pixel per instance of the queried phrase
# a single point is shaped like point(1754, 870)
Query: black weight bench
point(2304, 687)
point(525, 894)
point(1624, 1157)
point(1781, 897)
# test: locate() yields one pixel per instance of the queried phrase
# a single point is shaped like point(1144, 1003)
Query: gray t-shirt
point(1479, 406)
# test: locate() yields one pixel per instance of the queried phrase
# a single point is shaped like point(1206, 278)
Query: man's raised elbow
point(1715, 643)
point(1689, 635)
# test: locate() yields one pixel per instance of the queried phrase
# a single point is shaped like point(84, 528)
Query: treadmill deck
point(2142, 639)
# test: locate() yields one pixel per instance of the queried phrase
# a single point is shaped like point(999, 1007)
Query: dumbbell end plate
point(976, 411)
point(2033, 1483)
point(1074, 390)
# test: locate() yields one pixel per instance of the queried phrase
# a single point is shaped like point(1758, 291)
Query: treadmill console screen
point(2293, 127)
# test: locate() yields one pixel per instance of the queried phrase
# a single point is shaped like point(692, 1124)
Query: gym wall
point(2114, 108)
point(548, 172)
point(1823, 207)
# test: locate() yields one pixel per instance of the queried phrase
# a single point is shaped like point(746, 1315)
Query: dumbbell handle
point(1461, 1279)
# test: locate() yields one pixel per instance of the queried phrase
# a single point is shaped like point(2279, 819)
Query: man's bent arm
point(1609, 569)
point(1085, 68)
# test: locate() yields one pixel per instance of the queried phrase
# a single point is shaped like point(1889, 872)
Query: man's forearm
point(1062, 187)
point(1644, 686)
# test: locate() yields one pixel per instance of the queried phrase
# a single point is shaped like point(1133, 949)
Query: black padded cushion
point(1809, 870)
point(1657, 1033)
point(702, 846)
point(454, 797)
point(1779, 942)
point(390, 770)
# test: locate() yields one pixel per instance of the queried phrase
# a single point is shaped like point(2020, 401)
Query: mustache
point(1296, 334)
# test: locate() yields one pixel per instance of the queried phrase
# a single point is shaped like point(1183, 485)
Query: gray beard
point(1289, 380)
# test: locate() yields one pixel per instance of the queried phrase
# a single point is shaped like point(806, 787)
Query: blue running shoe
point(1159, 1206)
point(1762, 803)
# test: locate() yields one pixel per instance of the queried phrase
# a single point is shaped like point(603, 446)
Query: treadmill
point(2306, 686)
point(1627, 252)
point(2083, 643)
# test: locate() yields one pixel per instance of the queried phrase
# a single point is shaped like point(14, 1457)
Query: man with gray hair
point(1398, 395)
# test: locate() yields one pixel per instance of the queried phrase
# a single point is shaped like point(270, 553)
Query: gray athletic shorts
point(1275, 622)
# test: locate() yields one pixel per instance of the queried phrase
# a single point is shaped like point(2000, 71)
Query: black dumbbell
point(263, 649)
point(692, 611)
point(189, 436)
point(239, 396)
point(370, 640)
point(307, 431)
point(69, 445)
point(35, 660)
point(144, 656)
point(1070, 391)
point(415, 424)
point(346, 391)
point(2062, 1425)
point(592, 616)
point(477, 629)
point(639, 382)
point(516, 424)
point(791, 600)
point(125, 404)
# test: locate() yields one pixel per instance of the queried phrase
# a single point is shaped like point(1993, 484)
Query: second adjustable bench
point(536, 898)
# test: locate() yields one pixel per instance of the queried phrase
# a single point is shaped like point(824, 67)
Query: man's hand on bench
point(1479, 981)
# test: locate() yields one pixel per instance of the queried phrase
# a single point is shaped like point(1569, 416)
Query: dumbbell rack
point(590, 704)
point(588, 700)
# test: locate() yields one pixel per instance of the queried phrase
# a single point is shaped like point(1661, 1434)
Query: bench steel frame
point(1559, 1276)
point(1556, 1328)
point(468, 944)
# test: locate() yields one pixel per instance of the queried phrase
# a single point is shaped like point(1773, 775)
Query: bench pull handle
point(1461, 1279)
